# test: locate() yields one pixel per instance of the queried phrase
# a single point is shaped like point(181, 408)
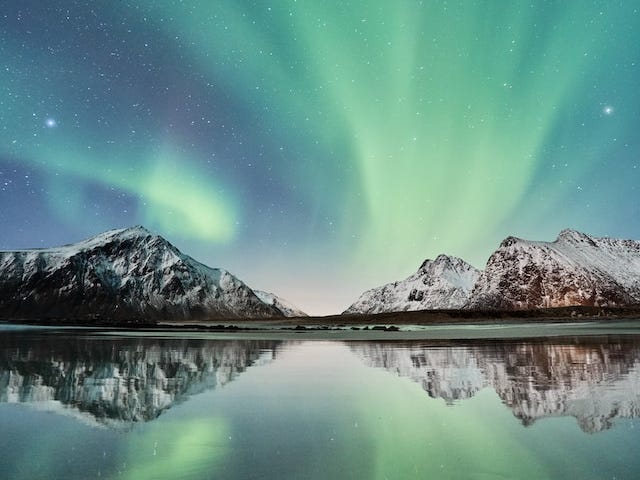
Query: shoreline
point(382, 322)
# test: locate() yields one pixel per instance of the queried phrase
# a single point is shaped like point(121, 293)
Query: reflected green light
point(445, 441)
point(183, 449)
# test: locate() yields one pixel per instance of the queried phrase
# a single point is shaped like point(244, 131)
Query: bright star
point(607, 110)
point(51, 123)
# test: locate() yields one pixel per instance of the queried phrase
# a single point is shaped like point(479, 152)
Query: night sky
point(315, 148)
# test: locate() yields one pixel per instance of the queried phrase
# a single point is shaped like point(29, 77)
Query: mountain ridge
point(576, 269)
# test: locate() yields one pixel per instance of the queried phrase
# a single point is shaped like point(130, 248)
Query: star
point(51, 123)
point(607, 110)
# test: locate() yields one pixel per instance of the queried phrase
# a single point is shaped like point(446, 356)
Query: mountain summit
point(443, 283)
point(121, 274)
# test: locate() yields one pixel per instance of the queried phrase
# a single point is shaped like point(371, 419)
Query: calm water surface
point(80, 404)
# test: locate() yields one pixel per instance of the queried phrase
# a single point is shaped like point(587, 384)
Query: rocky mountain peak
point(445, 282)
point(510, 241)
point(573, 236)
point(127, 237)
point(136, 230)
point(444, 261)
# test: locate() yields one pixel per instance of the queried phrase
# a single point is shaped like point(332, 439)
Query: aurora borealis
point(319, 148)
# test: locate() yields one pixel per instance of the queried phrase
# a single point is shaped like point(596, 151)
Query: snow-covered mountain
point(443, 283)
point(575, 269)
point(287, 308)
point(121, 274)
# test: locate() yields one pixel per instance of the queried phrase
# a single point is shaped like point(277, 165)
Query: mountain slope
point(120, 274)
point(287, 308)
point(443, 283)
point(575, 269)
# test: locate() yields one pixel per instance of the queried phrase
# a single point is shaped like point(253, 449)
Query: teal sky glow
point(319, 148)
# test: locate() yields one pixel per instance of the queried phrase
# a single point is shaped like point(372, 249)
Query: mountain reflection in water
point(123, 380)
point(595, 380)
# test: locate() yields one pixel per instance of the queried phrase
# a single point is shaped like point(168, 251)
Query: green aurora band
point(446, 112)
point(396, 130)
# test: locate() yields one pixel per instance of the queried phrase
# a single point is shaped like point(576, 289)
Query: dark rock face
point(576, 269)
point(120, 275)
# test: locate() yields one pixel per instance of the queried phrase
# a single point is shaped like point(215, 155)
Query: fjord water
point(92, 404)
